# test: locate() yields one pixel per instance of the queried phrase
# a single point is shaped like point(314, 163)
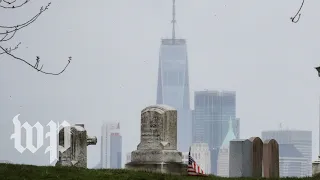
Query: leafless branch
point(10, 49)
point(12, 4)
point(8, 32)
point(37, 63)
point(294, 19)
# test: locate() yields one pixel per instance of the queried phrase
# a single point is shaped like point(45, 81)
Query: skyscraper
point(302, 140)
point(128, 158)
point(111, 146)
point(201, 154)
point(173, 83)
point(291, 161)
point(213, 110)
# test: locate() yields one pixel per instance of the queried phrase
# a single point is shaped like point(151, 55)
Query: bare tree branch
point(8, 32)
point(9, 50)
point(293, 19)
point(11, 4)
point(37, 63)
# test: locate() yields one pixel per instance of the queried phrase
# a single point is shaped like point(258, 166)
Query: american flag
point(193, 168)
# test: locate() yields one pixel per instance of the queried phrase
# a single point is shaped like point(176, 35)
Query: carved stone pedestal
point(149, 155)
point(168, 167)
point(157, 151)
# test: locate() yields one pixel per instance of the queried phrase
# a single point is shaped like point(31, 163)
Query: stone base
point(150, 155)
point(71, 164)
point(158, 167)
point(63, 163)
point(315, 167)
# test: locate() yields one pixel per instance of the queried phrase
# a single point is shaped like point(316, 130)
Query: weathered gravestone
point(316, 167)
point(240, 158)
point(73, 142)
point(257, 152)
point(270, 159)
point(157, 150)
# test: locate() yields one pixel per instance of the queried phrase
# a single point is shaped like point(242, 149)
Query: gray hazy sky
point(248, 46)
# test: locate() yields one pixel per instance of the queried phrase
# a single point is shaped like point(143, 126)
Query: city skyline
point(113, 75)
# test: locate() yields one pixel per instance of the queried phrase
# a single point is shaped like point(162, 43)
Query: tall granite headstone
point(76, 153)
point(240, 158)
point(157, 150)
point(257, 152)
point(270, 159)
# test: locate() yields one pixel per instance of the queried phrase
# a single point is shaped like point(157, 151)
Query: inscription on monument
point(149, 128)
point(145, 130)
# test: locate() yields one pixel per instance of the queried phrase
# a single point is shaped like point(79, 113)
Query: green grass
point(29, 172)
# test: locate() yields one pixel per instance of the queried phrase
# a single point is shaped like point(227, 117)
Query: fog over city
point(250, 47)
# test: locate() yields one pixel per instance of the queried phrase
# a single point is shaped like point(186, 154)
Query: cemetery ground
point(30, 172)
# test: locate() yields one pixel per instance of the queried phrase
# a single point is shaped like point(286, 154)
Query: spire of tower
point(173, 19)
point(230, 135)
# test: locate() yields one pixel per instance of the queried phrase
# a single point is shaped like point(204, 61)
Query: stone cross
point(76, 154)
point(270, 159)
point(157, 150)
point(257, 152)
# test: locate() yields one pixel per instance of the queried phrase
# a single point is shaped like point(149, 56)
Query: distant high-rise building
point(291, 161)
point(173, 83)
point(223, 156)
point(185, 157)
point(128, 159)
point(214, 153)
point(201, 154)
point(211, 114)
point(302, 140)
point(111, 146)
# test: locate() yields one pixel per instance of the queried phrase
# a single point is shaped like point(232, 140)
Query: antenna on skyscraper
point(173, 19)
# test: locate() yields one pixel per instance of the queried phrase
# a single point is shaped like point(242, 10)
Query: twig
point(11, 3)
point(20, 26)
point(293, 19)
point(10, 31)
point(37, 63)
point(11, 49)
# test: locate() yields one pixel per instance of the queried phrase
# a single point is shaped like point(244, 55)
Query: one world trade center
point(173, 83)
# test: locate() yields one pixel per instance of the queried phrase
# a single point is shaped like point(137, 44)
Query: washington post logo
point(54, 128)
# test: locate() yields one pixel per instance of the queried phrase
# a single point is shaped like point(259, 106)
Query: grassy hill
point(29, 172)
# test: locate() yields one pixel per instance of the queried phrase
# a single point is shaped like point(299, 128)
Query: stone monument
point(316, 167)
point(257, 152)
point(270, 159)
point(240, 158)
point(76, 153)
point(157, 150)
